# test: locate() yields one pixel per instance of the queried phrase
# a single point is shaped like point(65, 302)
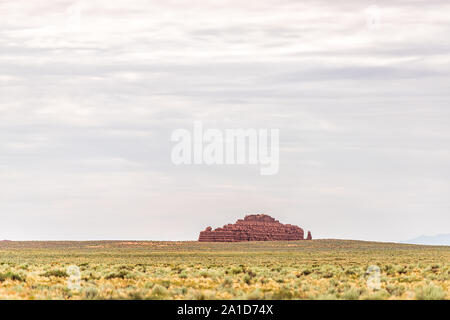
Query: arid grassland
point(318, 269)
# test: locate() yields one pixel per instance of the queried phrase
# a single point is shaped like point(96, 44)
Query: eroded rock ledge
point(255, 227)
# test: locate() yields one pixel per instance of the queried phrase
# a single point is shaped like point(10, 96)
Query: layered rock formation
point(256, 227)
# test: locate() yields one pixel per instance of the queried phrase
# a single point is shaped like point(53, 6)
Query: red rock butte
point(254, 227)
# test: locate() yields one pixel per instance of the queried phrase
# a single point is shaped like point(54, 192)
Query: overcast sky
point(90, 92)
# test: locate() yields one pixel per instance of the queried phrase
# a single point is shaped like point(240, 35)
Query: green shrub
point(11, 276)
point(227, 282)
point(352, 294)
point(430, 292)
point(283, 294)
point(122, 274)
point(256, 294)
point(305, 272)
point(159, 291)
point(236, 270)
point(395, 290)
point(379, 295)
point(165, 283)
point(90, 293)
point(55, 273)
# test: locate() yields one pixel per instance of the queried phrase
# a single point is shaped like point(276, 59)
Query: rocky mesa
point(254, 227)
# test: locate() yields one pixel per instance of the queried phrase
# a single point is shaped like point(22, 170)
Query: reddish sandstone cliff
point(256, 227)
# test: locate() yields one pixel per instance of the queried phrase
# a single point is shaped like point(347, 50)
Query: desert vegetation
point(318, 269)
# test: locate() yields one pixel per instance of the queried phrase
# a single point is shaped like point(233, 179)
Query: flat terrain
point(317, 269)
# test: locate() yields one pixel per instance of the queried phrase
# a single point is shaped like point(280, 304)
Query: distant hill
point(438, 240)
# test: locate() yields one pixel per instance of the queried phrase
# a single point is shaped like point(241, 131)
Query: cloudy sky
point(90, 92)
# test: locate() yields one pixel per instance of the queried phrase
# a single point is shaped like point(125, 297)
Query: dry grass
point(318, 269)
